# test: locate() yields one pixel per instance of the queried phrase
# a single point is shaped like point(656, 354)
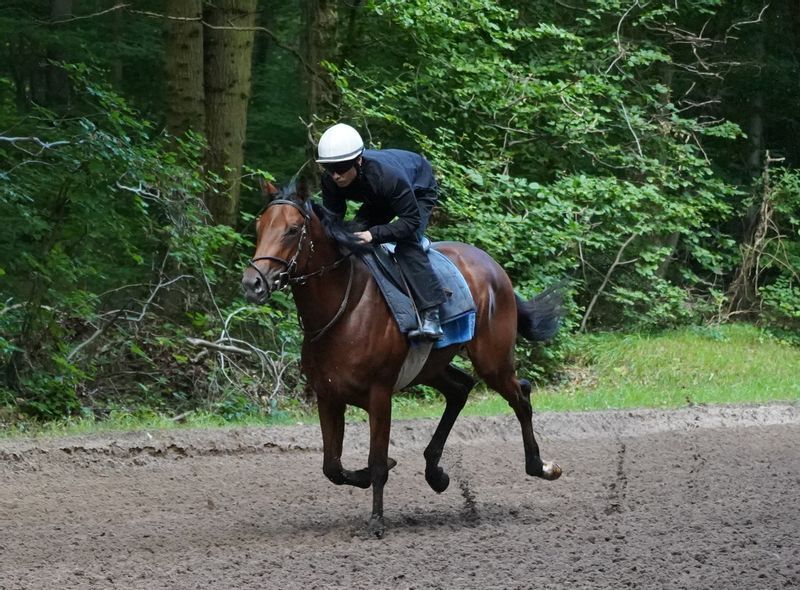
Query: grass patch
point(148, 420)
point(732, 364)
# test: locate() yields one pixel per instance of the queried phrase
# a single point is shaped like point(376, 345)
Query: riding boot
point(431, 328)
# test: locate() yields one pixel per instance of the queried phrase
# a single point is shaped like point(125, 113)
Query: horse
point(352, 349)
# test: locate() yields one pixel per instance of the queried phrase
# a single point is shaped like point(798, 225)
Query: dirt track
point(699, 498)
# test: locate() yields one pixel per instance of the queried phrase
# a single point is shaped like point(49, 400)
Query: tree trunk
point(743, 293)
point(184, 67)
point(57, 78)
point(320, 45)
point(117, 31)
point(350, 41)
point(670, 241)
point(18, 55)
point(756, 123)
point(756, 131)
point(228, 56)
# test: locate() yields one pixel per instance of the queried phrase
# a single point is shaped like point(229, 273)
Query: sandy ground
point(696, 498)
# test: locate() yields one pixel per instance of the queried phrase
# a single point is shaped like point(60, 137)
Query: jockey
point(397, 191)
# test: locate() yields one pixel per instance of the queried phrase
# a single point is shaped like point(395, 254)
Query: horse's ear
point(268, 189)
point(303, 189)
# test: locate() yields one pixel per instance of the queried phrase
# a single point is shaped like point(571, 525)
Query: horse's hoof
point(438, 480)
point(544, 469)
point(390, 463)
point(550, 471)
point(376, 527)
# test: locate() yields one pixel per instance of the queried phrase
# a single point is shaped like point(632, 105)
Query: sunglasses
point(338, 167)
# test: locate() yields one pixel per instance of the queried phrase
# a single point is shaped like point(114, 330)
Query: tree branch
point(7, 308)
point(85, 16)
point(148, 13)
point(620, 48)
point(217, 346)
point(231, 27)
point(611, 269)
point(735, 26)
point(628, 121)
point(44, 145)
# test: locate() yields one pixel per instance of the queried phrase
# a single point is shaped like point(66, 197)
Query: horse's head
point(282, 235)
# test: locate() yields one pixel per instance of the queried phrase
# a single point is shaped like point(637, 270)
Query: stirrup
point(431, 328)
point(418, 334)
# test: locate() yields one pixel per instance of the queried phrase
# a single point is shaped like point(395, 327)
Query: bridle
point(285, 278)
point(288, 278)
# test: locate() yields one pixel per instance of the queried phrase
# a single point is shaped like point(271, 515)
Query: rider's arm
point(395, 190)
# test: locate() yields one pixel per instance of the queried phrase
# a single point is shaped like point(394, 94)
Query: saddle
point(456, 314)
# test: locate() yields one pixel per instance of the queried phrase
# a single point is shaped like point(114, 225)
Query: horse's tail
point(540, 318)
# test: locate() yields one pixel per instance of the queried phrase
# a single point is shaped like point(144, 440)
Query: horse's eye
point(293, 230)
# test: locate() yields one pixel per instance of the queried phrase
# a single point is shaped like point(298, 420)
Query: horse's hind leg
point(455, 385)
point(517, 393)
point(492, 355)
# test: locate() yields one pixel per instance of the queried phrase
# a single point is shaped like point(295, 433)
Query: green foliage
point(110, 266)
point(712, 364)
point(559, 149)
point(596, 141)
point(780, 263)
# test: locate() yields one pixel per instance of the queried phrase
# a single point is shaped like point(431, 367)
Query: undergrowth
point(726, 364)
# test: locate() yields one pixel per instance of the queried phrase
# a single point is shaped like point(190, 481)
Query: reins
point(287, 278)
point(317, 334)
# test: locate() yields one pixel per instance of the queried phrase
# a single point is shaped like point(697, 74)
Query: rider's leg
point(425, 287)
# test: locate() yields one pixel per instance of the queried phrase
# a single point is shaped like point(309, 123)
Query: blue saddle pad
point(457, 313)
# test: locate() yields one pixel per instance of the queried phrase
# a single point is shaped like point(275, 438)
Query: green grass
point(148, 420)
point(734, 364)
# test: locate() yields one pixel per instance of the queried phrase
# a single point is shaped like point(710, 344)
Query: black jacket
point(389, 183)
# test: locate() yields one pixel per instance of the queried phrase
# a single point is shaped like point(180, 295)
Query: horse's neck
point(323, 296)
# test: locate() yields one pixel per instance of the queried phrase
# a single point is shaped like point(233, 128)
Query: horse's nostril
point(256, 289)
point(253, 284)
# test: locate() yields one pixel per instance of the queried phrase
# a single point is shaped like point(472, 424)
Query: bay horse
point(353, 350)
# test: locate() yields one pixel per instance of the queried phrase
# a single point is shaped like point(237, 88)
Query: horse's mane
point(341, 231)
point(338, 230)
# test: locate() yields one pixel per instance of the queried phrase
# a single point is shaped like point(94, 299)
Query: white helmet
point(339, 144)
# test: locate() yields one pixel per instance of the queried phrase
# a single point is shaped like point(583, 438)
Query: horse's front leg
point(331, 421)
point(380, 418)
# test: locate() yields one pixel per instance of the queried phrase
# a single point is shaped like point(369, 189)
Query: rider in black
point(397, 190)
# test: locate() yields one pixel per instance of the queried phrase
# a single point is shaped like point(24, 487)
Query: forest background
point(647, 151)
